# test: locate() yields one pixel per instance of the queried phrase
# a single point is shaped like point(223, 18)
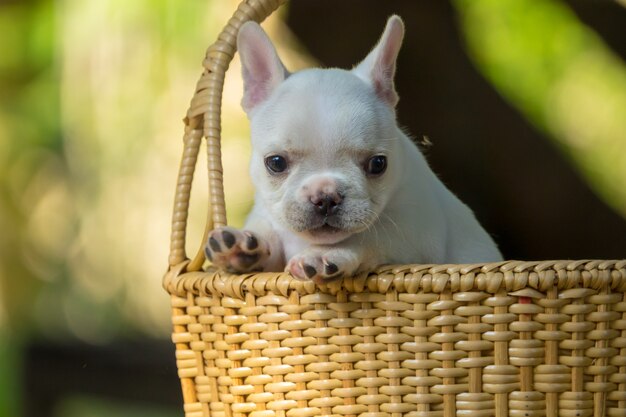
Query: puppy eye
point(276, 164)
point(376, 165)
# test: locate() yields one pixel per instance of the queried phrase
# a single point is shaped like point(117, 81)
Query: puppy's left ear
point(379, 67)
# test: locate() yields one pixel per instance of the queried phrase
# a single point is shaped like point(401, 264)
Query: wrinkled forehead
point(324, 108)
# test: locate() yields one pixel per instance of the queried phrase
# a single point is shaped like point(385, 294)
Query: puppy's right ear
point(262, 69)
point(379, 67)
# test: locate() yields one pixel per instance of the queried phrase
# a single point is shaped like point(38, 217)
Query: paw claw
point(229, 239)
point(215, 245)
point(251, 242)
point(309, 270)
point(330, 268)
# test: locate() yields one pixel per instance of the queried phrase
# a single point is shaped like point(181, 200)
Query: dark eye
point(376, 165)
point(276, 164)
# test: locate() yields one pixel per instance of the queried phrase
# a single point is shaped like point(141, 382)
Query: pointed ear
point(262, 70)
point(379, 67)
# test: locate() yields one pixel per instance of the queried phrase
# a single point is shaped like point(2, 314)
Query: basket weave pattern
point(518, 339)
point(521, 339)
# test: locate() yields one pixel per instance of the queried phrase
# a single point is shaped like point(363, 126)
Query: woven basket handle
point(204, 119)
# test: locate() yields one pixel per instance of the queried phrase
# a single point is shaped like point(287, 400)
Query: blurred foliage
point(561, 76)
point(93, 94)
point(29, 120)
point(10, 377)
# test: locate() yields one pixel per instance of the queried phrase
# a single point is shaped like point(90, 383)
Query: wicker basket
point(515, 338)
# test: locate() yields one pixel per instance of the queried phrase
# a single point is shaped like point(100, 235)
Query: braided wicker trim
point(528, 277)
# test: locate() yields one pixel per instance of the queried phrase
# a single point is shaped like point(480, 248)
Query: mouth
point(325, 229)
point(327, 234)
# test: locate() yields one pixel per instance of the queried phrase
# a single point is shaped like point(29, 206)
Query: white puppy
point(340, 188)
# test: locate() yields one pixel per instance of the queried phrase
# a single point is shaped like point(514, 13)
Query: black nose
point(325, 205)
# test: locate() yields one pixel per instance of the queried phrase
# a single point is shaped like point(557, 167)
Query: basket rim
point(532, 278)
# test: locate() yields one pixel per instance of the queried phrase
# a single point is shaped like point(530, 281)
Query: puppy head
point(325, 157)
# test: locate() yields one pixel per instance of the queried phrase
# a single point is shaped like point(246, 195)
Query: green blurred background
point(92, 93)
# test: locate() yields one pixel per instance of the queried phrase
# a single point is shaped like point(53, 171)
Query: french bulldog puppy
point(340, 188)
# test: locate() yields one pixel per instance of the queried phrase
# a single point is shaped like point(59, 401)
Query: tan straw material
point(521, 339)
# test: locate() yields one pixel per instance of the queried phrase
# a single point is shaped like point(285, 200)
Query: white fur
point(327, 123)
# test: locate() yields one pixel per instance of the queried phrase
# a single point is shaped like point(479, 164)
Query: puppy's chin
point(326, 234)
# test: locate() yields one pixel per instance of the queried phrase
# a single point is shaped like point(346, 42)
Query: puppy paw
point(319, 266)
point(236, 250)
